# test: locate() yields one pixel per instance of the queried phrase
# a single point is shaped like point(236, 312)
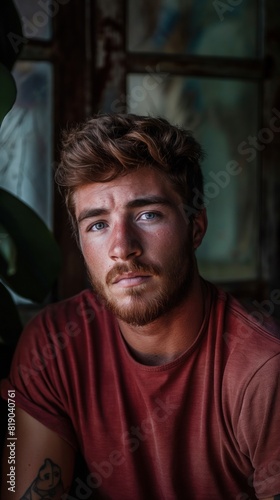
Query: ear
point(199, 228)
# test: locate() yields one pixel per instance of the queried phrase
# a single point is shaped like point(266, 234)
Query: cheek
point(170, 240)
point(89, 253)
point(95, 261)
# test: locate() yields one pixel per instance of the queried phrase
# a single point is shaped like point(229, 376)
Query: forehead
point(122, 190)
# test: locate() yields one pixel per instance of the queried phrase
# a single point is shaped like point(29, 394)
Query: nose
point(125, 242)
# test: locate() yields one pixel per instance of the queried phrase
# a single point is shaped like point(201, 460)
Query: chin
point(140, 305)
point(143, 311)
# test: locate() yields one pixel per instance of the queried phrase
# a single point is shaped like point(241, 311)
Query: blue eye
point(98, 226)
point(149, 216)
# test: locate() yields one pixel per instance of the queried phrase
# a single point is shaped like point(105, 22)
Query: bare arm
point(39, 461)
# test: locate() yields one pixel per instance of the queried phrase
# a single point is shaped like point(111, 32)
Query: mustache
point(133, 267)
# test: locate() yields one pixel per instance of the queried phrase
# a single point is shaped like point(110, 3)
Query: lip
point(130, 279)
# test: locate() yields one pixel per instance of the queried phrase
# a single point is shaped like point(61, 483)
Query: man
point(168, 388)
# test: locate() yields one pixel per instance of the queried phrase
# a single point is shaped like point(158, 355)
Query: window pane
point(26, 139)
point(223, 115)
point(36, 17)
point(197, 27)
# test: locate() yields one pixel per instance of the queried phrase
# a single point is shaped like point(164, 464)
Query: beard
point(175, 281)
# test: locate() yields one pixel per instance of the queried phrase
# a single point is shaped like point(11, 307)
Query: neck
point(166, 338)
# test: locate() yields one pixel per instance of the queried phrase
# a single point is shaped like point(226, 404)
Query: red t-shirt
point(205, 426)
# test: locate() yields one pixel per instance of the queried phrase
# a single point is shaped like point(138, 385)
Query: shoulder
point(58, 339)
point(81, 308)
point(244, 325)
point(248, 343)
point(247, 359)
point(69, 324)
point(85, 305)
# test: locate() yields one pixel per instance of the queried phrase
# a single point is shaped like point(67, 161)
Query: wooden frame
point(91, 62)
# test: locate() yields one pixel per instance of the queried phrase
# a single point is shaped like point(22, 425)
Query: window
point(200, 65)
point(209, 66)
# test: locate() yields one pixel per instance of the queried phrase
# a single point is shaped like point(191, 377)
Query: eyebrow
point(137, 203)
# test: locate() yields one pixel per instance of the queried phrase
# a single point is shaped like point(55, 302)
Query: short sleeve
point(36, 374)
point(258, 429)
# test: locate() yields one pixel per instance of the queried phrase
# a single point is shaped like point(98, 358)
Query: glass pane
point(26, 139)
point(36, 17)
point(199, 27)
point(223, 114)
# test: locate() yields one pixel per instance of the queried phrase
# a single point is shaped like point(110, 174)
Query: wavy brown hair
point(112, 145)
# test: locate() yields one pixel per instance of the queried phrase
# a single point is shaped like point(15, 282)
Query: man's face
point(137, 243)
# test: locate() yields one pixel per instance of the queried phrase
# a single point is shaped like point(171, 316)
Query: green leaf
point(10, 323)
point(8, 91)
point(38, 256)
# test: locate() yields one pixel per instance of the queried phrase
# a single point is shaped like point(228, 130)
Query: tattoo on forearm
point(47, 484)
